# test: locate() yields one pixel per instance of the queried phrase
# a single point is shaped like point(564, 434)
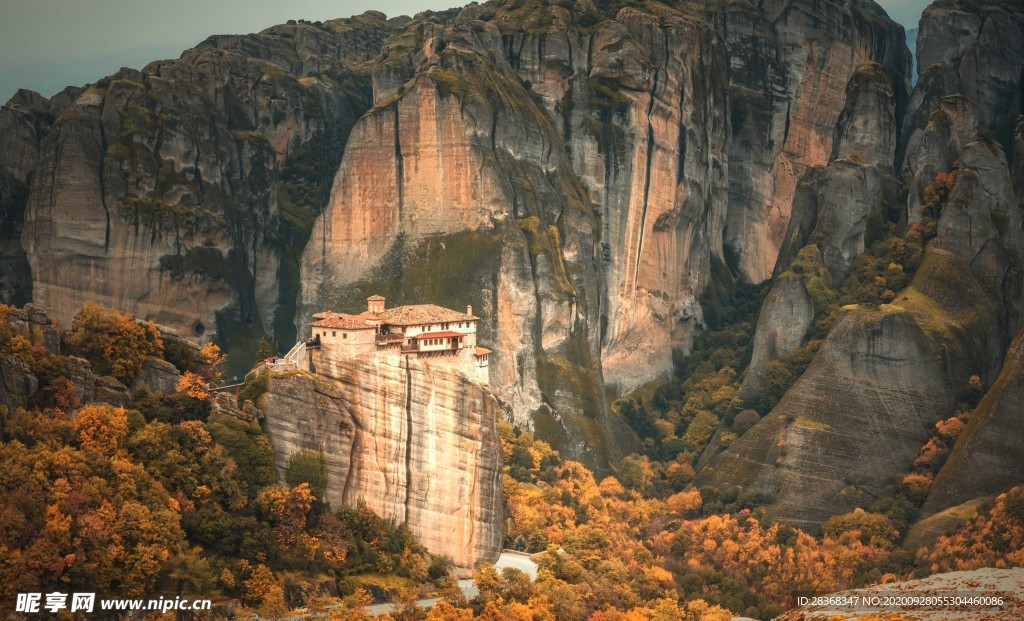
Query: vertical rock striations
point(890, 372)
point(413, 440)
point(595, 180)
point(791, 63)
point(836, 209)
point(180, 192)
point(580, 165)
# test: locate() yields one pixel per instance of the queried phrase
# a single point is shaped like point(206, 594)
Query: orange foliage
point(101, 427)
point(211, 359)
point(684, 504)
point(115, 343)
point(917, 485)
point(950, 428)
point(192, 385)
point(931, 454)
point(992, 538)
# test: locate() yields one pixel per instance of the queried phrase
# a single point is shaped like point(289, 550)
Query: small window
point(344, 335)
point(334, 333)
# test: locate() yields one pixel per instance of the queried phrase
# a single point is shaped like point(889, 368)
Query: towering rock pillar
point(413, 440)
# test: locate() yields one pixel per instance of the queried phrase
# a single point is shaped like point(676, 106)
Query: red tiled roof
point(341, 320)
point(481, 351)
point(419, 314)
point(375, 298)
point(438, 335)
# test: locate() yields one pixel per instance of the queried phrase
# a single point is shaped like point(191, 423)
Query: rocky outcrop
point(927, 530)
point(952, 124)
point(179, 192)
point(974, 49)
point(786, 319)
point(969, 58)
point(24, 121)
point(224, 403)
point(36, 325)
point(955, 318)
point(857, 416)
point(158, 375)
point(1006, 583)
point(414, 440)
point(582, 164)
point(17, 383)
point(988, 458)
point(791, 65)
point(835, 209)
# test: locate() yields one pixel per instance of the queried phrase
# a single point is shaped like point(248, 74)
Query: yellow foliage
point(101, 427)
point(191, 385)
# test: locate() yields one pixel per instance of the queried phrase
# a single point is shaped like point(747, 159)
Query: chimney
point(469, 309)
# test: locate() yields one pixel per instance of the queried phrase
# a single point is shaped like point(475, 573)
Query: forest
point(164, 492)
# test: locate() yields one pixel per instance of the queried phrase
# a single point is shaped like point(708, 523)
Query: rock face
point(975, 49)
point(413, 440)
point(23, 123)
point(853, 422)
point(577, 165)
point(859, 413)
point(988, 457)
point(835, 209)
point(792, 62)
point(1006, 582)
point(179, 192)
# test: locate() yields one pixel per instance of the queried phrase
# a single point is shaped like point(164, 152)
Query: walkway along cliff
point(393, 407)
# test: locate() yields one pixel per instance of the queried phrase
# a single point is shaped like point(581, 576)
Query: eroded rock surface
point(413, 440)
point(988, 458)
point(1007, 583)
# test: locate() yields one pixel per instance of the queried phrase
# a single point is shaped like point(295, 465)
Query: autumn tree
point(191, 385)
point(266, 592)
point(211, 360)
point(115, 343)
point(101, 427)
point(993, 537)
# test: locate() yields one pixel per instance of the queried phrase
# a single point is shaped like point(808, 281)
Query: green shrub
point(310, 467)
point(255, 386)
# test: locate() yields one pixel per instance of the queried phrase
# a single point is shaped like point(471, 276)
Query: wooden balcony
point(393, 337)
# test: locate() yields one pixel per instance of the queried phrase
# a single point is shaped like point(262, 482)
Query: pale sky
point(46, 45)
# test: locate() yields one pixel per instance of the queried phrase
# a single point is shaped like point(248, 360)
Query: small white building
point(423, 330)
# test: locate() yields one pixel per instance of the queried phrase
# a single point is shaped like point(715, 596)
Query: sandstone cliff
point(988, 458)
point(791, 64)
point(180, 192)
point(854, 421)
point(835, 210)
point(581, 165)
point(593, 148)
point(413, 440)
point(976, 49)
